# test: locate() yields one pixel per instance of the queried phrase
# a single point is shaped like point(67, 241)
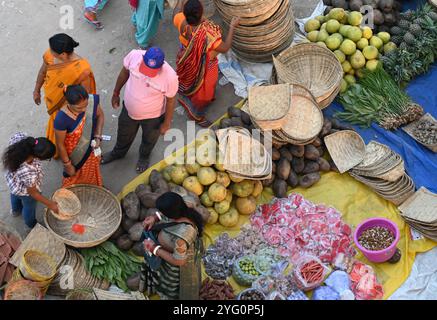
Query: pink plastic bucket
point(381, 255)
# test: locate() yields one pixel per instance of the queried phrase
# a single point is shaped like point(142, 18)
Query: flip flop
point(96, 23)
point(142, 165)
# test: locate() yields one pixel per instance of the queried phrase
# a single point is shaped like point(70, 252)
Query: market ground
point(26, 25)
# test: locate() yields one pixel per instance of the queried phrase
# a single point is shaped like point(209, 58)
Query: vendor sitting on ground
point(172, 243)
point(22, 161)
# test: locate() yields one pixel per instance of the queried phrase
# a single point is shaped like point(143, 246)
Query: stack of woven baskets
point(266, 27)
point(312, 66)
point(289, 111)
point(375, 165)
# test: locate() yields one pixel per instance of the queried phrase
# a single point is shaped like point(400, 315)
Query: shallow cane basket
point(23, 290)
point(37, 266)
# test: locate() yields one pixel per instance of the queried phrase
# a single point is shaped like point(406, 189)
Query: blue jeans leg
point(29, 211)
point(16, 204)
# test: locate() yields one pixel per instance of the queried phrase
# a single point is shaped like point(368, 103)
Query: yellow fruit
point(178, 174)
point(344, 30)
point(229, 195)
point(230, 218)
point(192, 168)
point(348, 47)
point(322, 44)
point(362, 43)
point(222, 207)
point(372, 65)
point(337, 14)
point(244, 188)
point(376, 42)
point(321, 19)
point(367, 33)
point(311, 25)
point(205, 200)
point(206, 176)
point(323, 27)
point(223, 178)
point(370, 52)
point(192, 184)
point(246, 206)
point(389, 47)
point(206, 155)
point(358, 60)
point(322, 36)
point(213, 216)
point(340, 56)
point(217, 192)
point(343, 20)
point(258, 189)
point(312, 36)
point(359, 73)
point(351, 72)
point(333, 42)
point(343, 86)
point(350, 79)
point(338, 35)
point(346, 66)
point(166, 173)
point(235, 179)
point(332, 26)
point(384, 36)
point(220, 167)
point(354, 34)
point(355, 18)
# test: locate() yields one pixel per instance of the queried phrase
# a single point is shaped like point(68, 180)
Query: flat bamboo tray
point(412, 126)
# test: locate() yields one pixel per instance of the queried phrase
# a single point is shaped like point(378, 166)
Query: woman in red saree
point(197, 64)
point(78, 129)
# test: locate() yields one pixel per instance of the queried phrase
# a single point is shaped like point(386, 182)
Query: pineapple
point(409, 38)
point(420, 21)
point(404, 24)
point(408, 15)
point(433, 15)
point(396, 31)
point(416, 30)
point(403, 46)
point(397, 39)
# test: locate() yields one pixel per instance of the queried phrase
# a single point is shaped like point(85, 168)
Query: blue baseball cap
point(153, 60)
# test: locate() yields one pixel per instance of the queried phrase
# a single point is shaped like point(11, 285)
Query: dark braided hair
point(16, 154)
point(75, 94)
point(193, 12)
point(62, 42)
point(173, 206)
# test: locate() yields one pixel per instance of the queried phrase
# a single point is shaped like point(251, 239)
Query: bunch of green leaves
point(405, 64)
point(107, 262)
point(375, 98)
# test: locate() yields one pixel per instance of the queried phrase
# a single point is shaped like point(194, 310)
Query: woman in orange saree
point(61, 67)
point(78, 127)
point(197, 64)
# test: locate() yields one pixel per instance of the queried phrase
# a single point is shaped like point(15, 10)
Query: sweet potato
point(148, 199)
point(124, 243)
point(133, 282)
point(234, 112)
point(274, 167)
point(311, 166)
point(203, 212)
point(276, 155)
point(246, 118)
point(333, 166)
point(327, 126)
point(283, 169)
point(311, 152)
point(118, 233)
point(269, 182)
point(143, 188)
point(158, 183)
point(324, 165)
point(131, 206)
point(236, 122)
point(280, 188)
point(127, 223)
point(310, 179)
point(317, 143)
point(298, 164)
point(225, 123)
point(147, 213)
point(293, 179)
point(136, 231)
point(297, 151)
point(321, 151)
point(138, 249)
point(339, 126)
point(286, 154)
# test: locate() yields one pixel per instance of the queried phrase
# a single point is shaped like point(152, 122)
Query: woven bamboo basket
point(22, 290)
point(98, 205)
point(422, 207)
point(346, 148)
point(81, 294)
point(37, 266)
point(312, 66)
point(42, 285)
point(68, 203)
point(42, 240)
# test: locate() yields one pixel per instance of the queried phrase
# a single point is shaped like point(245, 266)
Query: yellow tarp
point(354, 200)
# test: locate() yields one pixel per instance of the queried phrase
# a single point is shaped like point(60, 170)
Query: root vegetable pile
point(376, 238)
point(252, 295)
point(426, 132)
point(216, 290)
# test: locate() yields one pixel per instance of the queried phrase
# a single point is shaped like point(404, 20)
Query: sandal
point(107, 158)
point(142, 165)
point(96, 23)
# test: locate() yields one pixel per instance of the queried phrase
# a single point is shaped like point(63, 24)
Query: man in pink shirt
point(149, 102)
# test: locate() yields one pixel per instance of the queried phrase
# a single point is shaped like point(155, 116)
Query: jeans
point(127, 131)
point(27, 206)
